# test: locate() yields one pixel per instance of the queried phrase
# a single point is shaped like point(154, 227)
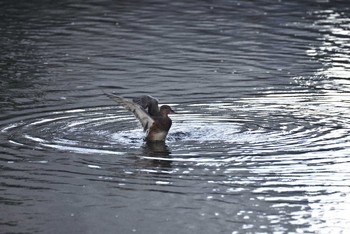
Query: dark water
point(260, 144)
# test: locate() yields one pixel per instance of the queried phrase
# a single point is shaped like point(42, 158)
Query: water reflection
point(159, 149)
point(333, 80)
point(334, 53)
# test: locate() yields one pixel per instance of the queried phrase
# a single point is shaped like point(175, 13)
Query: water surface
point(260, 144)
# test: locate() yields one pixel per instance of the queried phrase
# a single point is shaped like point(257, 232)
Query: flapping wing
point(136, 109)
point(149, 103)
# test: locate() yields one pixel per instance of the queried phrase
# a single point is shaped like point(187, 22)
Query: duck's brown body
point(161, 126)
point(155, 121)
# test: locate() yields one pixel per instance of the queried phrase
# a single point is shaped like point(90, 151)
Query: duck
point(155, 121)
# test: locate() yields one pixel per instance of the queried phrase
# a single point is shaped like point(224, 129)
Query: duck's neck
point(164, 114)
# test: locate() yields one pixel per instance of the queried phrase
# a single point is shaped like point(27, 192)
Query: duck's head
point(165, 110)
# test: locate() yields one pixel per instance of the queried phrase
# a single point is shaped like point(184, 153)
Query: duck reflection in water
point(156, 149)
point(157, 154)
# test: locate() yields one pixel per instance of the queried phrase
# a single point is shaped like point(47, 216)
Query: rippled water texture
point(260, 144)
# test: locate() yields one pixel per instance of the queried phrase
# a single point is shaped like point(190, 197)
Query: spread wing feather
point(148, 103)
point(136, 109)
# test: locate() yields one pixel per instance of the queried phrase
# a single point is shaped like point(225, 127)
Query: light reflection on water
point(260, 144)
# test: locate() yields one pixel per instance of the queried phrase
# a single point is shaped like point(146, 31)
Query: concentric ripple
point(264, 126)
point(78, 130)
point(290, 152)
